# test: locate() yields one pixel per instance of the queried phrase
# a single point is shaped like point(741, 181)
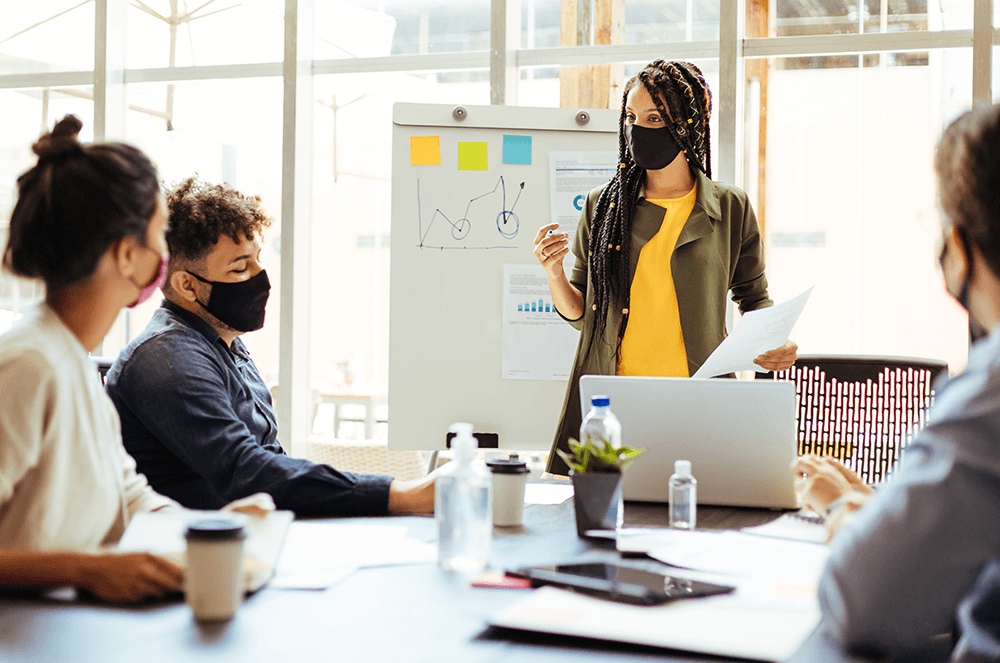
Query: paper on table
point(547, 493)
point(757, 332)
point(738, 554)
point(319, 554)
point(791, 526)
point(746, 625)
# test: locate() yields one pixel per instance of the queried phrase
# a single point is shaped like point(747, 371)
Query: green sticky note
point(425, 151)
point(472, 156)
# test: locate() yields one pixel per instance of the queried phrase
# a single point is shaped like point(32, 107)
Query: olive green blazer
point(718, 250)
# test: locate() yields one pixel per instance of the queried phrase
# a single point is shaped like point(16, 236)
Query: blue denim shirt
point(198, 419)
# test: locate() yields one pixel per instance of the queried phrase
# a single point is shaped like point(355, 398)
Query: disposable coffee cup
point(509, 479)
point(214, 577)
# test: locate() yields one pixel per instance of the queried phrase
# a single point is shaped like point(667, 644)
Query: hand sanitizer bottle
point(601, 424)
point(683, 496)
point(463, 507)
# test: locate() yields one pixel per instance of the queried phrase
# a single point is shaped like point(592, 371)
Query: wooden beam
point(758, 12)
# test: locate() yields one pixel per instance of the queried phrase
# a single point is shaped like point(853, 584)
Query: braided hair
point(682, 86)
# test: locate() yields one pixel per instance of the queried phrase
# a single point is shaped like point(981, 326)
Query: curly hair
point(201, 213)
point(968, 178)
point(76, 202)
point(684, 89)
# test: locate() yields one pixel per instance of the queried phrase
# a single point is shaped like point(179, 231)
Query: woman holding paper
point(657, 248)
point(89, 221)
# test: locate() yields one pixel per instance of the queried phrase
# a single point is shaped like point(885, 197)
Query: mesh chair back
point(861, 409)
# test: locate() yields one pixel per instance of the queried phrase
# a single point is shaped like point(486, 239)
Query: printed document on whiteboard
point(537, 343)
point(572, 175)
point(757, 332)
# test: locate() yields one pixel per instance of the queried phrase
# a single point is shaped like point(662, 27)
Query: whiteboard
point(453, 232)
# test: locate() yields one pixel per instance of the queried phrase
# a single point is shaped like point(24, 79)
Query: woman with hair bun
point(657, 248)
point(90, 222)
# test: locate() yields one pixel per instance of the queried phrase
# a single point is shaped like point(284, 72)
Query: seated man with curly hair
point(195, 413)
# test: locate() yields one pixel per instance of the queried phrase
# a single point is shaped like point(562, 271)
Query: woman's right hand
point(550, 250)
point(129, 576)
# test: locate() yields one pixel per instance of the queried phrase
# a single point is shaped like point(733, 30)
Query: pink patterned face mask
point(161, 277)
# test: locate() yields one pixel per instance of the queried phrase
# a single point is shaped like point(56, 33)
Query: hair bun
point(61, 140)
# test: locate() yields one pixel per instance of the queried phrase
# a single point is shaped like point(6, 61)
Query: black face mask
point(240, 305)
point(651, 149)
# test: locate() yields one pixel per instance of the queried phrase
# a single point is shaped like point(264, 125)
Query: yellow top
point(654, 342)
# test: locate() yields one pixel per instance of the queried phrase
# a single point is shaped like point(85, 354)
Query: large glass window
point(165, 33)
point(224, 131)
point(46, 35)
point(351, 215)
point(26, 115)
point(798, 17)
point(371, 28)
point(850, 204)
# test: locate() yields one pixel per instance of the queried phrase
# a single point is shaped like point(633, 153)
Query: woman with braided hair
point(657, 248)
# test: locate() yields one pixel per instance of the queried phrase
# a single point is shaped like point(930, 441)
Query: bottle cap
point(600, 401)
point(682, 468)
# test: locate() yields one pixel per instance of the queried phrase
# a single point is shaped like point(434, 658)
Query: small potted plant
point(596, 470)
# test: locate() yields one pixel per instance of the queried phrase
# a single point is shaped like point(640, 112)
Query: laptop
point(162, 533)
point(740, 436)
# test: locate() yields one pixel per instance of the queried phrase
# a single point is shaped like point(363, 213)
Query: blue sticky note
point(517, 149)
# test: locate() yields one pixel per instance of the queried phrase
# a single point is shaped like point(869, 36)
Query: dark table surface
point(408, 613)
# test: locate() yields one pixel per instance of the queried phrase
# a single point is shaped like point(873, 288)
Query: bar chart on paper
point(537, 343)
point(536, 306)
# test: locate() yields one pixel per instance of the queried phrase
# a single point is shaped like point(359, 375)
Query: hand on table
point(258, 504)
point(128, 577)
point(550, 250)
point(822, 481)
point(412, 497)
point(779, 359)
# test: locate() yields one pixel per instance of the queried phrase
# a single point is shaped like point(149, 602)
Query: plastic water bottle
point(683, 496)
point(601, 424)
point(463, 507)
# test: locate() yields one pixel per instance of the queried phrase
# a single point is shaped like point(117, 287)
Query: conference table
point(411, 613)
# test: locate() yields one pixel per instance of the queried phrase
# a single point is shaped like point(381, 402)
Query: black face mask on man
point(240, 305)
point(651, 149)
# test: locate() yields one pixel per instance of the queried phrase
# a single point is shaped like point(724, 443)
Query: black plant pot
point(597, 500)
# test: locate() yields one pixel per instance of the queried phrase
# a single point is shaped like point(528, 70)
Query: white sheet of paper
point(749, 624)
point(756, 333)
point(791, 526)
point(547, 493)
point(537, 343)
point(319, 554)
point(735, 553)
point(572, 175)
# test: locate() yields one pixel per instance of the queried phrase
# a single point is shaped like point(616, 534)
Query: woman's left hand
point(780, 358)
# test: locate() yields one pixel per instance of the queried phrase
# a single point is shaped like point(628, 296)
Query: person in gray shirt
point(921, 555)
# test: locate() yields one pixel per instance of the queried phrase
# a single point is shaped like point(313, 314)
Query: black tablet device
point(620, 583)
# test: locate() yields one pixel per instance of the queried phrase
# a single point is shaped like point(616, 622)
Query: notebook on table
point(162, 533)
point(739, 435)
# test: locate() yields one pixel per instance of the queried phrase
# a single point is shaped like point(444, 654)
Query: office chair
point(860, 409)
point(103, 365)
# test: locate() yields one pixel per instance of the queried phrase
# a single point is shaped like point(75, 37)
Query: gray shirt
point(897, 574)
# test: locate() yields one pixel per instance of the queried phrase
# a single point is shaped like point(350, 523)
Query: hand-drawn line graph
point(507, 222)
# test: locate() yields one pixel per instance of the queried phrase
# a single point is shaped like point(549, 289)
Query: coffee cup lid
point(215, 529)
point(508, 466)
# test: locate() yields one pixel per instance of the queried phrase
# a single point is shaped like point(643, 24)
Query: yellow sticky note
point(425, 151)
point(472, 156)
